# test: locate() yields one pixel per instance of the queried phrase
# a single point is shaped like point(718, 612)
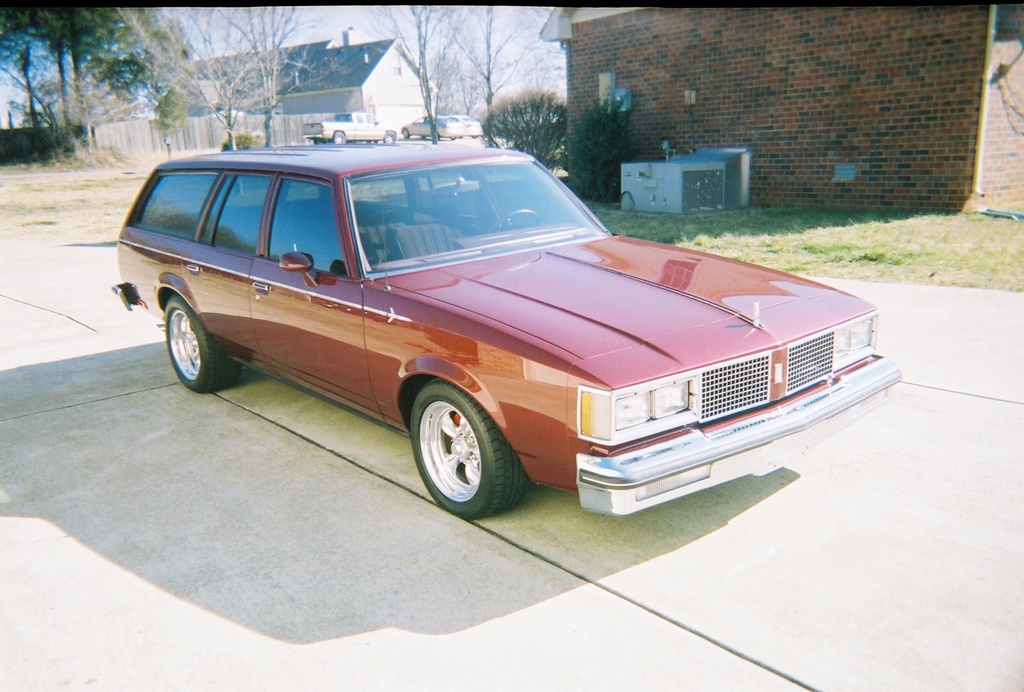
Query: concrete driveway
point(155, 539)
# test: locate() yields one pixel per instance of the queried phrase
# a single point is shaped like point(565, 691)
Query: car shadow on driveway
point(291, 516)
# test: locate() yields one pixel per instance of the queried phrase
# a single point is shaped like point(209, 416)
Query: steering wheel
point(520, 218)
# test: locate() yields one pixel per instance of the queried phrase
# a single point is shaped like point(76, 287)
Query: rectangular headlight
point(670, 399)
point(632, 410)
point(618, 416)
point(854, 341)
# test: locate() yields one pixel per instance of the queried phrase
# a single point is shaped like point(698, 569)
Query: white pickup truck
point(349, 127)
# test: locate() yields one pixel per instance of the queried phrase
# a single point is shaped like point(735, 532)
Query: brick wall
point(894, 91)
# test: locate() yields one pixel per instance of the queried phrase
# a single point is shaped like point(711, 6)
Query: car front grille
point(735, 387)
point(809, 362)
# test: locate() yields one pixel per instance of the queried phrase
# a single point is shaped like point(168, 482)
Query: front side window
point(175, 203)
point(304, 221)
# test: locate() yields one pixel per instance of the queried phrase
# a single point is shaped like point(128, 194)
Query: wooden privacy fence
point(141, 136)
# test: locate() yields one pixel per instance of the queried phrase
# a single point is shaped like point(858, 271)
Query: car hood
point(685, 308)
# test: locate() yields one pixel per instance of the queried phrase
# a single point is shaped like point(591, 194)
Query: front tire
point(466, 464)
point(200, 363)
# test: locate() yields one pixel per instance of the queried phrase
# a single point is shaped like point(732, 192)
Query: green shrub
point(171, 112)
point(601, 141)
point(38, 145)
point(244, 140)
point(534, 122)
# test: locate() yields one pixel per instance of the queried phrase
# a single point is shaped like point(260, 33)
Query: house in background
point(378, 77)
point(857, 107)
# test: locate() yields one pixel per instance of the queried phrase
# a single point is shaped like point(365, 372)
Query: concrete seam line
point(87, 403)
point(54, 312)
point(562, 568)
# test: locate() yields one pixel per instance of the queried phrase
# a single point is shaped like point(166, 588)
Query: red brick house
point(858, 107)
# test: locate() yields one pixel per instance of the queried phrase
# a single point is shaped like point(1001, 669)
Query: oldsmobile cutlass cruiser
point(467, 297)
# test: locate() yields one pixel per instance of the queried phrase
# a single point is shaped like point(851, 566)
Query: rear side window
point(234, 222)
point(175, 203)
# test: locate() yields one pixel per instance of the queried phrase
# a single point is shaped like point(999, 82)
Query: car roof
point(341, 160)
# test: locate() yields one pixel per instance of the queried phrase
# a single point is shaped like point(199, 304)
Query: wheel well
point(408, 393)
point(164, 295)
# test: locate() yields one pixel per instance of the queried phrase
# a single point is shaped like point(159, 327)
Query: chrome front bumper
point(754, 445)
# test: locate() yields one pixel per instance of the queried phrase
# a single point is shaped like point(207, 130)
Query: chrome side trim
point(149, 248)
point(390, 315)
point(756, 444)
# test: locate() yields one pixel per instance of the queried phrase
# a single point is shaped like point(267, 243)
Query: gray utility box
point(706, 180)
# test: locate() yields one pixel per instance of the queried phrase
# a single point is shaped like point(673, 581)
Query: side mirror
point(299, 262)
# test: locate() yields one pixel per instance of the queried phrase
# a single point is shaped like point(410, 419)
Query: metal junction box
point(706, 180)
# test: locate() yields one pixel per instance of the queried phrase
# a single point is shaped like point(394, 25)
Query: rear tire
point(200, 363)
point(466, 463)
point(339, 138)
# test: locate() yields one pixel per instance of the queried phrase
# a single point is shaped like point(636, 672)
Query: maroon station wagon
point(467, 297)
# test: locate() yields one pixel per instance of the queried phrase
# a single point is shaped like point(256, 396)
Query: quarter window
point(175, 204)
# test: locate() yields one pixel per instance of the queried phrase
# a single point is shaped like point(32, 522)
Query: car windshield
point(443, 214)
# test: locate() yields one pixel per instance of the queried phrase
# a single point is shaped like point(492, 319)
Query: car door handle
point(261, 288)
point(193, 269)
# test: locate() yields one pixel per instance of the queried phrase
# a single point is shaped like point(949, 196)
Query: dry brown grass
point(82, 201)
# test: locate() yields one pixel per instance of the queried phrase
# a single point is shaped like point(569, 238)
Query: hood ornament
point(756, 317)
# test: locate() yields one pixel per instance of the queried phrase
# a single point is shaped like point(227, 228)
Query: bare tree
point(502, 48)
point(237, 59)
point(490, 50)
point(165, 54)
point(430, 32)
point(268, 29)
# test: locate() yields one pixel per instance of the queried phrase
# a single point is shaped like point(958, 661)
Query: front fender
point(437, 367)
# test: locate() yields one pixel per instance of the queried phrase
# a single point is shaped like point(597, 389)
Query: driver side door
point(310, 327)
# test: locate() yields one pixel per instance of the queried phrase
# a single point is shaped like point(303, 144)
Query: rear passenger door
point(312, 333)
point(218, 265)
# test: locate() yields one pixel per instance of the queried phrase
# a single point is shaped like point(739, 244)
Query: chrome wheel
point(201, 364)
point(184, 344)
point(466, 464)
point(450, 451)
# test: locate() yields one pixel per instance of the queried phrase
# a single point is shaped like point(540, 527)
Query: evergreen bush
point(601, 141)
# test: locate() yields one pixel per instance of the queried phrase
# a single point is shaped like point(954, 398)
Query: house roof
point(559, 24)
point(327, 65)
